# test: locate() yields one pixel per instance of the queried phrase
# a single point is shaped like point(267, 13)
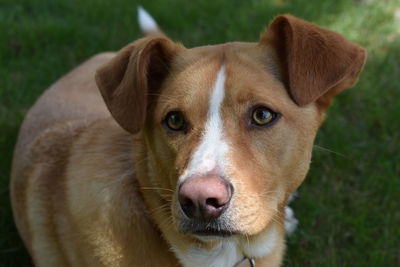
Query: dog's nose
point(204, 197)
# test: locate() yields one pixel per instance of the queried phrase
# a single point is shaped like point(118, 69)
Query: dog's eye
point(262, 116)
point(175, 121)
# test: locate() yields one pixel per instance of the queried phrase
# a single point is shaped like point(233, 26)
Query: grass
point(349, 205)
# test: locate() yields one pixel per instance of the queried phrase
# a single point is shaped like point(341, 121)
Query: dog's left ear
point(316, 63)
point(133, 76)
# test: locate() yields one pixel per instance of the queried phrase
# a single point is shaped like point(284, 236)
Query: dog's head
point(229, 128)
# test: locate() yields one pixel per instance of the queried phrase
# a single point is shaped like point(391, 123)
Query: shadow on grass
point(12, 251)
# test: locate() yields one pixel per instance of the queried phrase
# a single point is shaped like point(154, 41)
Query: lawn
point(348, 206)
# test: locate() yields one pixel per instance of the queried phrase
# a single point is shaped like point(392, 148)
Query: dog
point(160, 155)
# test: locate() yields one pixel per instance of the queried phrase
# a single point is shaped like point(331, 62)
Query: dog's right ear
point(137, 71)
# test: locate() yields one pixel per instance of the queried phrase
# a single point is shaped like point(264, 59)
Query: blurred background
point(348, 207)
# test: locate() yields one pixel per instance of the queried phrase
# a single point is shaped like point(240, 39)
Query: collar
point(251, 261)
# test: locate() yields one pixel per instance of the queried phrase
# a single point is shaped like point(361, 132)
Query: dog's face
point(229, 128)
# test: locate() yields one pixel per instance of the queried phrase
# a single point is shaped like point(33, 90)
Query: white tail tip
point(146, 22)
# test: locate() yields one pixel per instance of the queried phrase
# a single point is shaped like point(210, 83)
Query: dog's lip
point(220, 227)
point(210, 229)
point(213, 232)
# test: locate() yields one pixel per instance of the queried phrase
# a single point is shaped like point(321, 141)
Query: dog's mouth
point(214, 228)
point(214, 232)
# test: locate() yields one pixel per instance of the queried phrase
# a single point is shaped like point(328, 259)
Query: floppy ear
point(137, 70)
point(316, 63)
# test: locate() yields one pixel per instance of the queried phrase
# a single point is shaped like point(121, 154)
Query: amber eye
point(175, 121)
point(262, 116)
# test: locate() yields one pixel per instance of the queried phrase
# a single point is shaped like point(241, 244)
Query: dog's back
point(73, 97)
point(70, 126)
point(46, 135)
point(58, 115)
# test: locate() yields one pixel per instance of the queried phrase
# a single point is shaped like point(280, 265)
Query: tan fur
point(85, 192)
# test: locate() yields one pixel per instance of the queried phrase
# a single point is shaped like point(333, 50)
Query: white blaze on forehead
point(211, 152)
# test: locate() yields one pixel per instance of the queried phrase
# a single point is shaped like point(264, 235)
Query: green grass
point(349, 205)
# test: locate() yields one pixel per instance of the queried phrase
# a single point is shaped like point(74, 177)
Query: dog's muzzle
point(203, 201)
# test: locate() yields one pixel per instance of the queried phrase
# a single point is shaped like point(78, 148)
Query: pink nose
point(204, 197)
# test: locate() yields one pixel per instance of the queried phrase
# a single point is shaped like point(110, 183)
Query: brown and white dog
point(169, 156)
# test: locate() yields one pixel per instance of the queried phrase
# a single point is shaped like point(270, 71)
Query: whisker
point(329, 150)
point(142, 160)
point(158, 188)
point(162, 208)
point(167, 223)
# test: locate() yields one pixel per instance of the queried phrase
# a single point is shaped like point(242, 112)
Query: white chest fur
point(226, 253)
point(230, 251)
